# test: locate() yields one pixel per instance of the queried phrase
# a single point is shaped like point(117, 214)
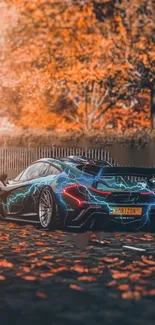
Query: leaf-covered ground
point(45, 279)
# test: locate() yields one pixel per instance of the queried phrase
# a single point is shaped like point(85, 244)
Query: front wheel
point(47, 209)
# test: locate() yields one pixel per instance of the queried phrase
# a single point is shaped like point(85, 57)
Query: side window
point(53, 171)
point(34, 171)
point(43, 169)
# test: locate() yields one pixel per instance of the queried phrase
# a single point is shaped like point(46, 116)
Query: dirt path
point(44, 279)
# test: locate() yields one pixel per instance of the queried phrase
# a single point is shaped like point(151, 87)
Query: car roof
point(59, 163)
point(82, 159)
point(63, 163)
point(52, 161)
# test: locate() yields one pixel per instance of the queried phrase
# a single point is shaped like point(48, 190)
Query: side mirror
point(3, 178)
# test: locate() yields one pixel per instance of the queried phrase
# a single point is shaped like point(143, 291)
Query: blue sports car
point(80, 196)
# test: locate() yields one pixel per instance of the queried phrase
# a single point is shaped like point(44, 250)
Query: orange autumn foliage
point(78, 65)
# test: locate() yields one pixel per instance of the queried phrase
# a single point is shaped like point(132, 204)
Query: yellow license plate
point(127, 211)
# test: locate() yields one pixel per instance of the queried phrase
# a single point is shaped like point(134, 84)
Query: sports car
point(57, 194)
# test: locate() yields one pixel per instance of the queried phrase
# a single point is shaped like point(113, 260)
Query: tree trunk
point(153, 108)
point(85, 112)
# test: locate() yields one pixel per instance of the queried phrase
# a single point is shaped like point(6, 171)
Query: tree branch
point(135, 72)
point(85, 109)
point(103, 98)
point(76, 103)
point(93, 97)
point(75, 119)
point(104, 110)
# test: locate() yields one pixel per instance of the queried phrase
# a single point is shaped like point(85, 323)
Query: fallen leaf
point(40, 243)
point(148, 261)
point(127, 295)
point(119, 275)
point(109, 259)
point(75, 287)
point(151, 292)
point(146, 272)
point(25, 269)
point(135, 276)
point(123, 287)
point(139, 263)
point(2, 277)
point(32, 254)
point(48, 257)
point(46, 275)
point(5, 263)
point(29, 277)
point(87, 278)
point(59, 269)
point(131, 295)
point(95, 270)
point(111, 283)
point(79, 269)
point(41, 295)
point(139, 288)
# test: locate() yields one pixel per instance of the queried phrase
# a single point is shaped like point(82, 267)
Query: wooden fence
point(14, 159)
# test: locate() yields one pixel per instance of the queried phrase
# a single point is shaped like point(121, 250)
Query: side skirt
point(23, 218)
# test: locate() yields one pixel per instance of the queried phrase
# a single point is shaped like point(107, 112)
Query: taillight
point(146, 193)
point(80, 193)
point(66, 191)
point(101, 192)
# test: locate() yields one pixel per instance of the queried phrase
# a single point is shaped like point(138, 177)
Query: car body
point(55, 193)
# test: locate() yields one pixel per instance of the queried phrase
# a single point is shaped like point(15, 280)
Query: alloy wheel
point(45, 207)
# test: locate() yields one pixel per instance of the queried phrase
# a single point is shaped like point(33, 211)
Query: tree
point(133, 34)
point(65, 52)
point(90, 55)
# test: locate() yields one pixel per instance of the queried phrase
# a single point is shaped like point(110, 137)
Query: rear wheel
point(47, 209)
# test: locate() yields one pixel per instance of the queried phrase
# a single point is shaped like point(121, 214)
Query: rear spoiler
point(128, 171)
point(100, 170)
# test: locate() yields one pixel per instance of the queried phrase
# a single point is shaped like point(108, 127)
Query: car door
point(21, 189)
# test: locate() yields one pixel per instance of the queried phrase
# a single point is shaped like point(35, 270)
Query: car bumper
point(99, 217)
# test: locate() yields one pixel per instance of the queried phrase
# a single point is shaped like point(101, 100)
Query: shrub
point(72, 138)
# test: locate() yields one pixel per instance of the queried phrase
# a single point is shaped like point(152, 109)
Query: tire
point(46, 209)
